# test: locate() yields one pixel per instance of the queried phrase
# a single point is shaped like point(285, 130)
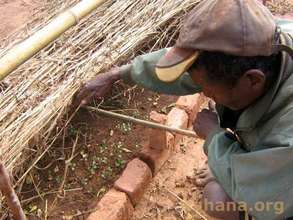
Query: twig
point(46, 210)
point(49, 193)
point(79, 213)
point(36, 187)
point(143, 122)
point(10, 195)
point(186, 204)
point(67, 163)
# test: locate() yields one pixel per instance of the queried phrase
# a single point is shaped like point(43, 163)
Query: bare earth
point(14, 14)
point(176, 177)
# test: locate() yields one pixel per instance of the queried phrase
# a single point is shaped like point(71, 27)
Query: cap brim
point(174, 63)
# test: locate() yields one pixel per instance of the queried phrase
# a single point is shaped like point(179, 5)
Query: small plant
point(84, 181)
point(125, 128)
point(72, 131)
point(104, 160)
point(84, 155)
point(33, 209)
point(93, 167)
point(107, 173)
point(119, 162)
point(136, 114)
point(72, 166)
point(103, 147)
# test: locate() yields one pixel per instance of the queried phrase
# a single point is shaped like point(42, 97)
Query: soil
point(99, 155)
point(173, 191)
point(14, 14)
point(93, 151)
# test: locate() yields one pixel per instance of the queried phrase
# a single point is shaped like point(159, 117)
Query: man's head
point(234, 81)
point(226, 44)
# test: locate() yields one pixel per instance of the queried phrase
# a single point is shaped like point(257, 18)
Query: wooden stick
point(142, 122)
point(10, 195)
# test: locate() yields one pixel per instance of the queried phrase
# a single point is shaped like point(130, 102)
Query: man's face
point(246, 91)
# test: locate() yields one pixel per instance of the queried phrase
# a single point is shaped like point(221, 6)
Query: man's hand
point(205, 122)
point(97, 87)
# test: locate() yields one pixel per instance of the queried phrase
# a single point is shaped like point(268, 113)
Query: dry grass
point(280, 6)
point(39, 93)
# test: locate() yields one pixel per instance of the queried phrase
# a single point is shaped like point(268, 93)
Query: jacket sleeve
point(142, 72)
point(261, 181)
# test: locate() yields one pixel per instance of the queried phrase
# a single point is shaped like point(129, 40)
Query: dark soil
point(103, 147)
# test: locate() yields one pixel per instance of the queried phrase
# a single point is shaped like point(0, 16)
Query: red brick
point(177, 118)
point(134, 180)
point(113, 206)
point(157, 117)
point(157, 137)
point(191, 104)
point(154, 158)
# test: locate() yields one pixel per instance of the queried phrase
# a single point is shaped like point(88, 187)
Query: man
point(235, 53)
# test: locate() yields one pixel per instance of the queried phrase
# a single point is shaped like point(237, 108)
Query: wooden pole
point(28, 48)
point(143, 122)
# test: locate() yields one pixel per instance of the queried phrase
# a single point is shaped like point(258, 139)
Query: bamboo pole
point(143, 122)
point(28, 48)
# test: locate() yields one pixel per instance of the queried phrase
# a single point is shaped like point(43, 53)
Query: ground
point(89, 156)
point(173, 194)
point(103, 148)
point(14, 14)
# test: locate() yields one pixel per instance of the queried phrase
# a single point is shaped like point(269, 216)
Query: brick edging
point(119, 202)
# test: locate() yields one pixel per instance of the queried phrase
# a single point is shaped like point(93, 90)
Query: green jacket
point(255, 165)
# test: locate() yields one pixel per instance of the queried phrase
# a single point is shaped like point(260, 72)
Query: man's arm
point(141, 71)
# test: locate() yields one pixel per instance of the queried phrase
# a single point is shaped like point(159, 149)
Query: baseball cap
point(236, 27)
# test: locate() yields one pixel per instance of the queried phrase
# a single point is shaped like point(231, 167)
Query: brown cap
point(236, 27)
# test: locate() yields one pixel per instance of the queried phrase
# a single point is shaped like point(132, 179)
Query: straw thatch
point(41, 90)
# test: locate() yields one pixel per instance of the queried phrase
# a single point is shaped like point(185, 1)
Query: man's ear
point(255, 78)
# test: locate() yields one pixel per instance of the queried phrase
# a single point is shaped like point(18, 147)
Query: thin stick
point(36, 187)
point(67, 164)
point(10, 195)
point(186, 204)
point(46, 210)
point(142, 122)
point(49, 193)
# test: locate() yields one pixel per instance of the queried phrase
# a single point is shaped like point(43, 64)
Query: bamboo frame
point(28, 48)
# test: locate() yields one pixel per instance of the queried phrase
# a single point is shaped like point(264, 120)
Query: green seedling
point(124, 127)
